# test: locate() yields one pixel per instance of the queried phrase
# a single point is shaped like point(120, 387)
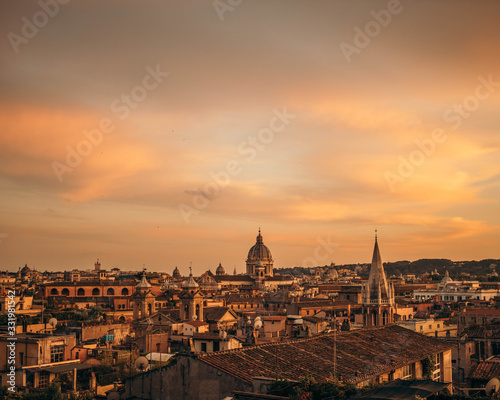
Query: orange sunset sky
point(393, 125)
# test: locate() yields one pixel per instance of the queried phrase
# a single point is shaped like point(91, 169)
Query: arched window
point(80, 292)
point(54, 292)
point(125, 292)
point(122, 319)
point(95, 292)
point(65, 292)
point(110, 292)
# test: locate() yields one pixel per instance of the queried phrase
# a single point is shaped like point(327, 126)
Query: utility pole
point(161, 366)
point(335, 349)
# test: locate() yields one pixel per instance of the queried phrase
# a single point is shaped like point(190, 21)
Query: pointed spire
point(377, 281)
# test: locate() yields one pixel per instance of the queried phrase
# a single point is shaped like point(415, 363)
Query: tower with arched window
point(191, 301)
point(143, 299)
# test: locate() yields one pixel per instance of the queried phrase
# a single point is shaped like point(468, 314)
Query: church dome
point(176, 274)
point(332, 274)
point(446, 280)
point(25, 270)
point(220, 270)
point(259, 251)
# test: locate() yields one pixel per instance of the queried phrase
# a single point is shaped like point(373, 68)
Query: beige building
point(23, 305)
point(38, 358)
point(209, 343)
point(429, 327)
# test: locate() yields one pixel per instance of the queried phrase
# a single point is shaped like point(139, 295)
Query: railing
point(376, 301)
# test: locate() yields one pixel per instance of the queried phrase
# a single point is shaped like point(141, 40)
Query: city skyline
point(168, 134)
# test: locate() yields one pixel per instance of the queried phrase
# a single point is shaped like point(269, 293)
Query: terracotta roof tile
point(485, 370)
point(361, 354)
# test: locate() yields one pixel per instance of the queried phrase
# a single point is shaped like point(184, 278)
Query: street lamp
point(251, 328)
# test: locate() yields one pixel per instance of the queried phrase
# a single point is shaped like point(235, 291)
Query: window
point(124, 292)
point(80, 292)
point(436, 375)
point(96, 292)
point(216, 346)
point(110, 292)
point(21, 356)
point(54, 292)
point(65, 292)
point(43, 380)
point(57, 354)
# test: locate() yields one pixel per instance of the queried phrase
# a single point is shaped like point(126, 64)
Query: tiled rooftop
point(482, 311)
point(485, 370)
point(361, 354)
point(215, 313)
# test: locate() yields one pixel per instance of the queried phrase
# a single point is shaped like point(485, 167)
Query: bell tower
point(144, 299)
point(191, 300)
point(377, 294)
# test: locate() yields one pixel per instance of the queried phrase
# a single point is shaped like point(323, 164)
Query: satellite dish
point(113, 396)
point(195, 317)
point(258, 324)
point(53, 322)
point(222, 334)
point(141, 363)
point(492, 386)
